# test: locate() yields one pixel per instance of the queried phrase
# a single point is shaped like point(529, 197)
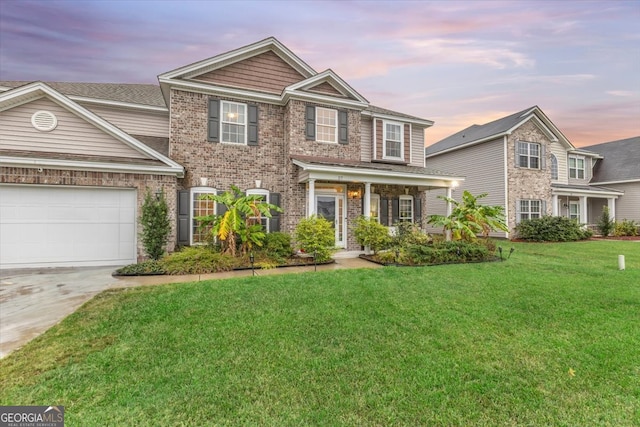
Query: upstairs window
point(234, 122)
point(576, 167)
point(554, 167)
point(393, 144)
point(326, 125)
point(528, 155)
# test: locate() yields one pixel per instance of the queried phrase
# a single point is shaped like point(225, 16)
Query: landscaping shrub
point(197, 260)
point(369, 232)
point(142, 268)
point(551, 229)
point(155, 224)
point(605, 224)
point(445, 252)
point(315, 235)
point(408, 233)
point(277, 245)
point(625, 228)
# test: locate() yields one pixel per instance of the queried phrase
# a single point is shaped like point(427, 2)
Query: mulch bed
point(373, 258)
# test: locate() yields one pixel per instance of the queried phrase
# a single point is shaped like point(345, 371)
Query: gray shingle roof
point(143, 94)
point(478, 132)
point(621, 160)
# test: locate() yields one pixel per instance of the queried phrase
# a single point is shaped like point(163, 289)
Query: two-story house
point(75, 157)
point(526, 165)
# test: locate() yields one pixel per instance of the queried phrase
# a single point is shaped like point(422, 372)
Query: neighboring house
point(619, 169)
point(77, 158)
point(526, 165)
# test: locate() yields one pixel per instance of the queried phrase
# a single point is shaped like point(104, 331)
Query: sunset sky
point(457, 63)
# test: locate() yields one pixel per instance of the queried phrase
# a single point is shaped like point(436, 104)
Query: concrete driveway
point(32, 301)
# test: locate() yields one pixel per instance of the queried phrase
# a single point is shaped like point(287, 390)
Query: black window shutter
point(395, 210)
point(183, 217)
point(274, 221)
point(343, 127)
point(417, 210)
point(220, 208)
point(253, 125)
point(384, 211)
point(362, 207)
point(214, 120)
point(310, 120)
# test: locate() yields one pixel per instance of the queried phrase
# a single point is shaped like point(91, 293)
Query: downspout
point(506, 184)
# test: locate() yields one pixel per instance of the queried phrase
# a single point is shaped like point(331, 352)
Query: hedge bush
point(277, 245)
point(197, 260)
point(445, 252)
point(625, 228)
point(315, 235)
point(369, 232)
point(551, 229)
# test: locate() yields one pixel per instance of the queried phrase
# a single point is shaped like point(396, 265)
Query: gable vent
point(44, 121)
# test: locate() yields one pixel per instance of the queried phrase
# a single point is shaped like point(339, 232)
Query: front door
point(331, 208)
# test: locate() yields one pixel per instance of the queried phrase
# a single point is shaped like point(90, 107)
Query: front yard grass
point(550, 337)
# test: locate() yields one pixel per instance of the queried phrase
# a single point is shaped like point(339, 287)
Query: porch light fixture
point(354, 194)
point(258, 183)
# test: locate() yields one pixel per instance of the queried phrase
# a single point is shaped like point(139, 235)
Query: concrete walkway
point(32, 301)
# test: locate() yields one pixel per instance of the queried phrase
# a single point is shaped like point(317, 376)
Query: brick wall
point(141, 182)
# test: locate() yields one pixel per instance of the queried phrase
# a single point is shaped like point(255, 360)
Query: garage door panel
point(66, 226)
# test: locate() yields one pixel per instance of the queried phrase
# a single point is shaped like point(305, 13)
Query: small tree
point(241, 221)
point(605, 223)
point(315, 235)
point(155, 224)
point(369, 232)
point(469, 218)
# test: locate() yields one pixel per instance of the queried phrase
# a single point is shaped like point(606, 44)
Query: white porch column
point(554, 205)
point(367, 200)
point(583, 210)
point(611, 204)
point(312, 197)
point(449, 209)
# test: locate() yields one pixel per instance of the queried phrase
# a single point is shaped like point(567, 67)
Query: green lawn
point(550, 337)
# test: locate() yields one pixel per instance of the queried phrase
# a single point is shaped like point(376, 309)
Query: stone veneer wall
point(526, 183)
point(141, 182)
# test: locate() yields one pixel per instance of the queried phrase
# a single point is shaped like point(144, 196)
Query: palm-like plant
point(469, 218)
point(241, 220)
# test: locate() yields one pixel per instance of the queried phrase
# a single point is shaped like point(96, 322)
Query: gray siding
point(366, 138)
point(134, 122)
point(73, 135)
point(483, 168)
point(561, 154)
point(628, 206)
point(417, 146)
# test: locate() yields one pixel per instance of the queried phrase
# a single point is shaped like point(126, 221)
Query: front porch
point(585, 204)
point(340, 191)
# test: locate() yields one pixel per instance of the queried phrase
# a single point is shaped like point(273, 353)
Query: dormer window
point(393, 143)
point(576, 167)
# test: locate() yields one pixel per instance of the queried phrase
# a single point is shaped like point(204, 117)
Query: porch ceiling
point(360, 172)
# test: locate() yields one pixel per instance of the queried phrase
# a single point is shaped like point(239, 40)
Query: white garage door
point(43, 226)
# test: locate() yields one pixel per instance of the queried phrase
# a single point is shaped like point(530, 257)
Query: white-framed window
point(529, 155)
point(576, 167)
point(201, 206)
point(265, 198)
point(554, 167)
point(375, 207)
point(530, 209)
point(393, 141)
point(405, 209)
point(234, 122)
point(574, 211)
point(326, 125)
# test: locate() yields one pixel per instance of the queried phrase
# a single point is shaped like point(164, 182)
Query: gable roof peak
point(239, 54)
